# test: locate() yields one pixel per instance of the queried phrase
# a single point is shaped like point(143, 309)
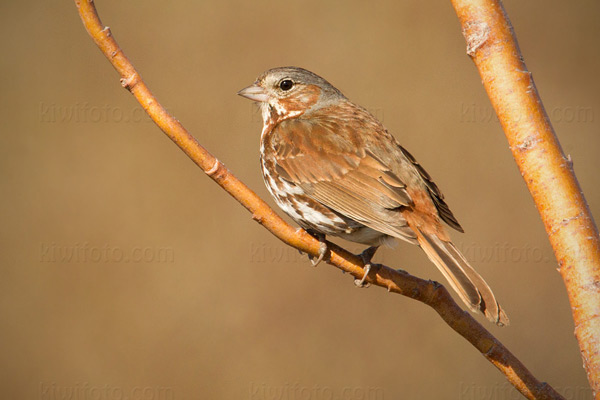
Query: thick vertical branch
point(492, 45)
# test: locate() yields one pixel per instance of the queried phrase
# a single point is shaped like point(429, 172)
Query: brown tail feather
point(469, 285)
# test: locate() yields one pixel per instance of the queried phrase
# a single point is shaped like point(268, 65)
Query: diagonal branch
point(428, 292)
point(549, 175)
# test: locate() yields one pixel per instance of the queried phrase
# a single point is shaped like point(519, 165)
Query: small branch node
point(528, 143)
point(595, 286)
point(130, 82)
point(568, 161)
point(214, 169)
point(476, 33)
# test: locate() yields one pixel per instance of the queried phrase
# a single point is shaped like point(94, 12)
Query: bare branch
point(428, 292)
point(549, 175)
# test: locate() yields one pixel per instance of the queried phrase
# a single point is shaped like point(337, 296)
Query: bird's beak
point(254, 93)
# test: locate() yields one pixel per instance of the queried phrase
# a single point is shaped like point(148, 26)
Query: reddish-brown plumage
point(336, 170)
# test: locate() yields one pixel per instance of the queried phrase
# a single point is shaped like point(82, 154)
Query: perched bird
point(336, 170)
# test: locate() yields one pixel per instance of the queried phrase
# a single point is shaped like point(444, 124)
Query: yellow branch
point(492, 45)
point(430, 293)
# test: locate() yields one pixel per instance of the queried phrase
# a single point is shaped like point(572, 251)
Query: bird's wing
point(434, 192)
point(336, 168)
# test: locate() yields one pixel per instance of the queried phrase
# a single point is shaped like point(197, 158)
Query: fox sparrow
point(336, 170)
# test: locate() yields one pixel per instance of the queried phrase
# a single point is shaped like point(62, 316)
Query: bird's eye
point(286, 84)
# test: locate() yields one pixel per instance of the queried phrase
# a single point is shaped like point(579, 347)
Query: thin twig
point(549, 175)
point(428, 292)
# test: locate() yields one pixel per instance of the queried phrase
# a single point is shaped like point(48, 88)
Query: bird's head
point(289, 92)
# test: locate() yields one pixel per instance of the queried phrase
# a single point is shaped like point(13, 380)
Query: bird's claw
point(322, 247)
point(322, 252)
point(361, 282)
point(366, 257)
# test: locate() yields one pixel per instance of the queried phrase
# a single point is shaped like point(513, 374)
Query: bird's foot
point(322, 247)
point(361, 282)
point(322, 252)
point(366, 257)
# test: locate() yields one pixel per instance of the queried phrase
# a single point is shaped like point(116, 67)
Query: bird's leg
point(322, 247)
point(366, 257)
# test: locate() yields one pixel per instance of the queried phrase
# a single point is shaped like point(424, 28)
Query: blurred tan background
point(127, 273)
